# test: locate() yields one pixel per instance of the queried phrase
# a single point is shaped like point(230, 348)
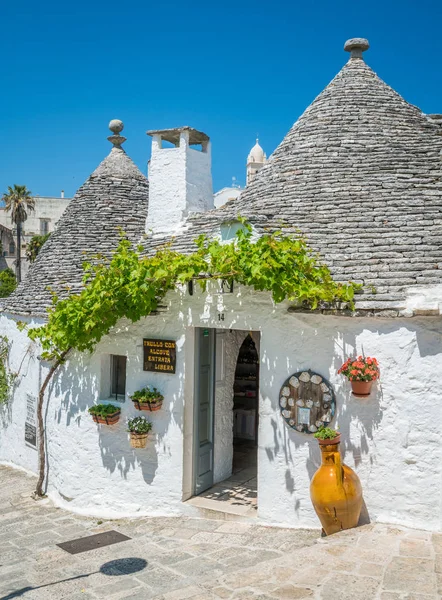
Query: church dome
point(256, 154)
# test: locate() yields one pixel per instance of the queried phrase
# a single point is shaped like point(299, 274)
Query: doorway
point(226, 420)
point(245, 412)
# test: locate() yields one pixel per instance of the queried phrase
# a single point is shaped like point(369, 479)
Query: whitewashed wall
point(391, 439)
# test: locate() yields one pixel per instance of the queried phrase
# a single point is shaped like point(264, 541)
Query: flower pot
point(361, 388)
point(151, 406)
point(335, 490)
point(336, 440)
point(109, 419)
point(138, 440)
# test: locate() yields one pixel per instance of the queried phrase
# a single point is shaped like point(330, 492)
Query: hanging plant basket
point(151, 405)
point(148, 398)
point(106, 414)
point(139, 428)
point(138, 440)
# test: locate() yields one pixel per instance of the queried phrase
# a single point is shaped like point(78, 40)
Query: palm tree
point(18, 200)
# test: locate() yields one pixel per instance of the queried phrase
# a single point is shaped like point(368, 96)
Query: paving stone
point(415, 548)
point(222, 592)
point(290, 592)
point(112, 588)
point(410, 575)
point(210, 559)
point(349, 587)
point(183, 594)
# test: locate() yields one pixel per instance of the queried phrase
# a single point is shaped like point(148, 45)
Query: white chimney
point(180, 178)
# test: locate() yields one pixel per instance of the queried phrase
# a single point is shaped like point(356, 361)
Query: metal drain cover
point(92, 542)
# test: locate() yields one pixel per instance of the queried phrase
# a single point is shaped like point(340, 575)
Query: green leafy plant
point(133, 285)
point(147, 394)
point(35, 245)
point(103, 410)
point(326, 433)
point(18, 201)
point(8, 283)
point(6, 377)
point(139, 425)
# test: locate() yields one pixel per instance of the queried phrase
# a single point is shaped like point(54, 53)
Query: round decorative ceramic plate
point(307, 402)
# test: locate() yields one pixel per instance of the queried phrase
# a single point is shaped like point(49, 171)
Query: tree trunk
point(40, 423)
point(18, 263)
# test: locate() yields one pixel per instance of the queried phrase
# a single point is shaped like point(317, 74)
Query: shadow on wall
point(363, 414)
point(77, 388)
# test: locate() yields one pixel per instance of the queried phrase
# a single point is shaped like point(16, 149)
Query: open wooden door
point(204, 408)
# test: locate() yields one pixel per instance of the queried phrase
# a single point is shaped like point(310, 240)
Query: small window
point(44, 226)
point(230, 229)
point(118, 376)
point(12, 248)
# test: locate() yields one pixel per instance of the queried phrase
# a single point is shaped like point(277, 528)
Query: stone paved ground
point(205, 559)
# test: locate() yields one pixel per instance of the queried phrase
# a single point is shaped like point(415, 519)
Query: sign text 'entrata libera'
point(159, 355)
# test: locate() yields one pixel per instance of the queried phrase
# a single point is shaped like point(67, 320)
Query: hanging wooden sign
point(159, 355)
point(307, 402)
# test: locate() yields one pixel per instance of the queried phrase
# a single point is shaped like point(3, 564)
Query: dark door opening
point(245, 413)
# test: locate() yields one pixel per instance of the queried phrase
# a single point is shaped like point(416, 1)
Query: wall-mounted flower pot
point(138, 440)
point(108, 419)
point(330, 442)
point(361, 388)
point(151, 406)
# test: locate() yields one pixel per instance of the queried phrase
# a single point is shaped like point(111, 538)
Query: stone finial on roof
point(116, 126)
point(356, 46)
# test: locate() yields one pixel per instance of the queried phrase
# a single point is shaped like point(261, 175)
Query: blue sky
point(231, 69)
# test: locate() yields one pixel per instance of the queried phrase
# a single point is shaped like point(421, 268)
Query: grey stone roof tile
point(360, 175)
point(113, 198)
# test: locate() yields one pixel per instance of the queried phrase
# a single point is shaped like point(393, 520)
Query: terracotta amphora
point(335, 490)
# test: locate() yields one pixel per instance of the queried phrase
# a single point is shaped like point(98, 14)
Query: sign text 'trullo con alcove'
point(159, 355)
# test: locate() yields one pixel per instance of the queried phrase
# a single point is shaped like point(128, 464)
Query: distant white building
point(255, 161)
point(40, 221)
point(225, 195)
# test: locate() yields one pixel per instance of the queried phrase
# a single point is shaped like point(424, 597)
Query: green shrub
point(139, 425)
point(8, 283)
point(147, 394)
point(35, 246)
point(103, 410)
point(326, 433)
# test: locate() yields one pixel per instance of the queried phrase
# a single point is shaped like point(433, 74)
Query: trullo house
point(360, 175)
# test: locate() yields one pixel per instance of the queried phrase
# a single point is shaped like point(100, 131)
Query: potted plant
point(361, 373)
point(327, 436)
point(108, 414)
point(147, 399)
point(138, 428)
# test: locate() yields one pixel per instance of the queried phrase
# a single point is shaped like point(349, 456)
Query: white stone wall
point(180, 181)
point(391, 439)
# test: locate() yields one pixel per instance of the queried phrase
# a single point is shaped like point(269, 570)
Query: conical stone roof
point(113, 198)
point(360, 175)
